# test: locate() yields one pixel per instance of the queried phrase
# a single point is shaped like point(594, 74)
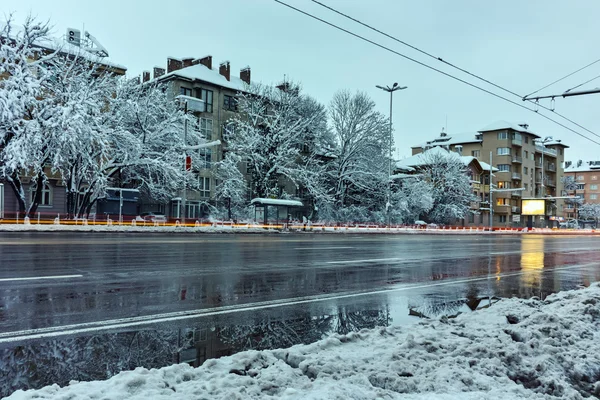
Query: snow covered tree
point(450, 186)
point(359, 174)
point(274, 133)
point(231, 185)
point(589, 211)
point(21, 75)
point(411, 198)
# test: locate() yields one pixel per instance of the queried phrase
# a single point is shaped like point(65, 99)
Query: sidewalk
point(516, 349)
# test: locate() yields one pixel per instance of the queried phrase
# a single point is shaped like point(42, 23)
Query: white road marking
point(34, 278)
point(323, 248)
point(370, 260)
point(30, 334)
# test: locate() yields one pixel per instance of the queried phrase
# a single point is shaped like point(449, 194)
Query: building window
point(207, 96)
point(526, 139)
point(526, 186)
point(502, 202)
point(504, 167)
point(503, 151)
point(204, 185)
point(46, 199)
point(185, 91)
point(593, 196)
point(580, 177)
point(503, 185)
point(525, 170)
point(205, 127)
point(502, 135)
point(593, 187)
point(560, 151)
point(502, 218)
point(532, 156)
point(526, 154)
point(205, 157)
point(594, 178)
point(229, 103)
point(475, 153)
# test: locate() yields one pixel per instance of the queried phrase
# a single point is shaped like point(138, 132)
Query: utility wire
point(430, 67)
point(455, 66)
point(588, 81)
point(564, 77)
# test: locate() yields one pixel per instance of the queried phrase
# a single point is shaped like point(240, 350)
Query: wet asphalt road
point(53, 280)
point(96, 304)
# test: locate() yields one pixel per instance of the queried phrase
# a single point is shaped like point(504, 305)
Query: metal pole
point(543, 190)
point(389, 196)
point(491, 198)
point(184, 194)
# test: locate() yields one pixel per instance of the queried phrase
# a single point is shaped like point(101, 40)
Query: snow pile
point(516, 349)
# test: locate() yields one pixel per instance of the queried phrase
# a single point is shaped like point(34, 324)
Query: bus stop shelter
point(273, 211)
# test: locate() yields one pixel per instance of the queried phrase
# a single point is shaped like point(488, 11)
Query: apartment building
point(586, 183)
point(525, 161)
point(54, 199)
point(217, 89)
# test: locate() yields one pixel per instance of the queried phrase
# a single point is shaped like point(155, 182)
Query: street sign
point(188, 163)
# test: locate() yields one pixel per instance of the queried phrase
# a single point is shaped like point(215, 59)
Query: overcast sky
point(521, 45)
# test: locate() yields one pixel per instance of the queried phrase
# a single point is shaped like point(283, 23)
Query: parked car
point(569, 224)
point(153, 217)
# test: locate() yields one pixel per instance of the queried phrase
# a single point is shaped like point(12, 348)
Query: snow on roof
point(453, 139)
point(584, 167)
point(63, 47)
point(422, 159)
point(277, 202)
point(499, 125)
point(201, 72)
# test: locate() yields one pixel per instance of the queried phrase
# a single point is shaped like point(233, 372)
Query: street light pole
point(542, 186)
point(391, 90)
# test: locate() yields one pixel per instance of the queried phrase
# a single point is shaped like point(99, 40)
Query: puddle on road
point(100, 356)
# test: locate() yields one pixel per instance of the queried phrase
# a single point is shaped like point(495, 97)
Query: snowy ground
point(517, 349)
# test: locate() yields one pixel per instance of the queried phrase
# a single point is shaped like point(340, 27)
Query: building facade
point(525, 161)
point(585, 185)
point(217, 90)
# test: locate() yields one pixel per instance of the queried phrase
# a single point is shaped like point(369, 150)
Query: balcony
point(517, 159)
point(546, 150)
point(501, 209)
point(551, 167)
point(538, 164)
point(476, 186)
point(516, 176)
point(475, 205)
point(551, 183)
point(516, 194)
point(517, 142)
point(516, 210)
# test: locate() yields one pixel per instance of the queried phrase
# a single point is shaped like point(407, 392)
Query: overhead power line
point(581, 84)
point(437, 70)
point(564, 77)
point(455, 66)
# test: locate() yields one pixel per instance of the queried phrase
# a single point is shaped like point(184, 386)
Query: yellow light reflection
point(532, 261)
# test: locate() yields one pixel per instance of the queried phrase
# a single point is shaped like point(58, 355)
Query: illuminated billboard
point(533, 207)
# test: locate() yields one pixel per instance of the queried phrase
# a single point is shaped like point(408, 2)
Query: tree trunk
point(15, 183)
point(37, 198)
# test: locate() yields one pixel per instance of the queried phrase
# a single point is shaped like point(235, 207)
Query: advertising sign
point(533, 206)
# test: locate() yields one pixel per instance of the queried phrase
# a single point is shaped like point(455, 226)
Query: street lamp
point(542, 143)
point(390, 90)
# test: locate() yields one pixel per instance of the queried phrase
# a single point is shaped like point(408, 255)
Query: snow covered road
point(516, 349)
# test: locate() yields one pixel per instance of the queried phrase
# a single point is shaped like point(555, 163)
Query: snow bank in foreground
point(516, 349)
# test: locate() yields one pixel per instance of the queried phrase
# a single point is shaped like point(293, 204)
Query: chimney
point(187, 62)
point(225, 70)
point(173, 64)
point(245, 75)
point(145, 76)
point(206, 61)
point(158, 71)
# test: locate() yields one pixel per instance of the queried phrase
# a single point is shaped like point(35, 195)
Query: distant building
point(522, 163)
point(479, 174)
point(586, 180)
